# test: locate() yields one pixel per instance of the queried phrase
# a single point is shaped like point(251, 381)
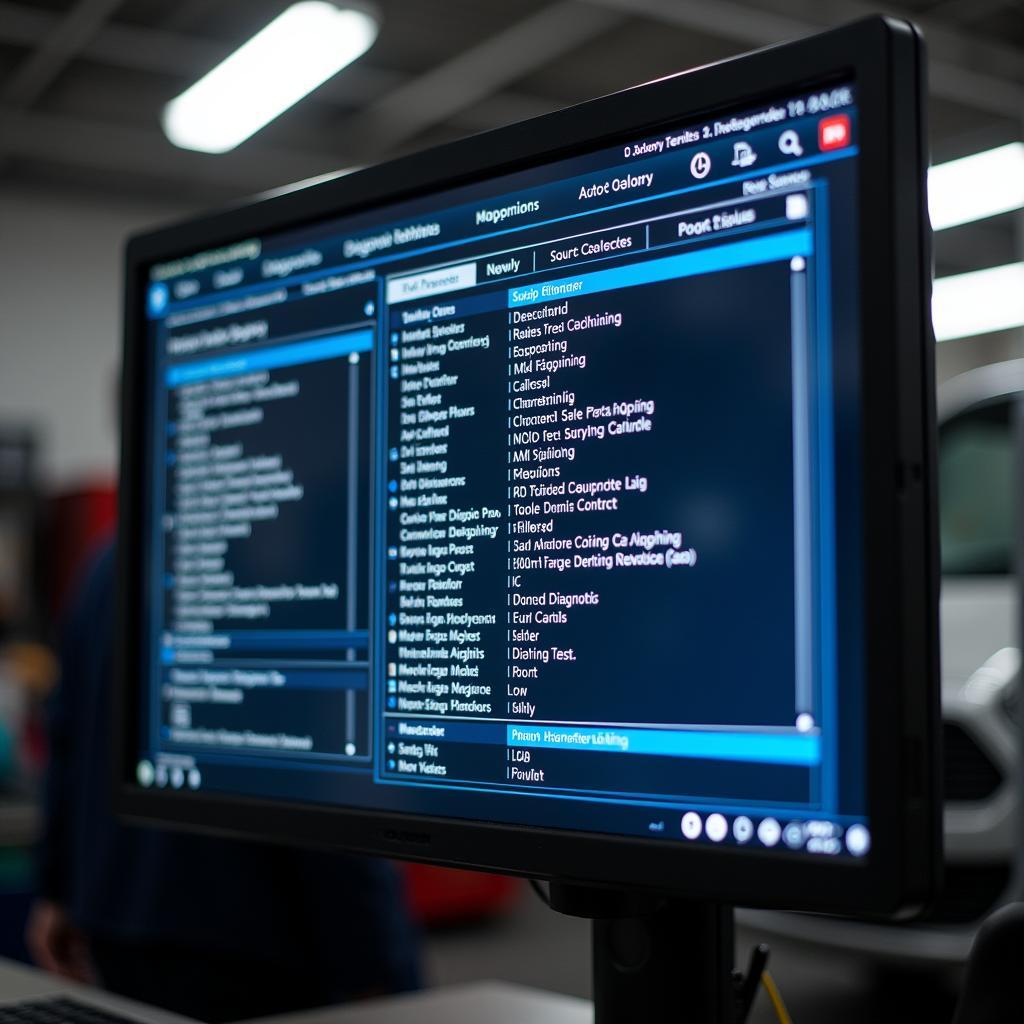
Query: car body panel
point(979, 630)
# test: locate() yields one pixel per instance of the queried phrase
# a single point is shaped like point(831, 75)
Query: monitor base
point(654, 958)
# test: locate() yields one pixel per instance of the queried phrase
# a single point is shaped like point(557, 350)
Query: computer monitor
point(558, 501)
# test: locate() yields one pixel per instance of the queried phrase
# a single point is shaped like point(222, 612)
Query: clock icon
point(700, 165)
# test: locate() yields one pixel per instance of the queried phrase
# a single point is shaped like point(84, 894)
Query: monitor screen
point(520, 501)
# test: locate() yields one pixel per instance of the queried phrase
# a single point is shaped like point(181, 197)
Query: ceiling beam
point(161, 51)
point(960, 13)
point(726, 19)
point(55, 50)
point(182, 15)
point(962, 68)
point(477, 73)
point(946, 43)
point(146, 154)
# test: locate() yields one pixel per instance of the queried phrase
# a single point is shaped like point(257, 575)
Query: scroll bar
point(803, 521)
point(352, 538)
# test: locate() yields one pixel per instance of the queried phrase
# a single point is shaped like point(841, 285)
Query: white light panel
point(299, 50)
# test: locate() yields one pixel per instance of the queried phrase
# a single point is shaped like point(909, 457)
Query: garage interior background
point(83, 162)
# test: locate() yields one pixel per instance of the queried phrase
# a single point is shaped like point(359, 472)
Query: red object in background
point(79, 522)
point(446, 896)
point(833, 132)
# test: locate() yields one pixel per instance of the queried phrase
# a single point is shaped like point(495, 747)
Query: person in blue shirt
point(210, 928)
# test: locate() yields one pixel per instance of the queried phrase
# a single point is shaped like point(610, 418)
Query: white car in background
point(980, 431)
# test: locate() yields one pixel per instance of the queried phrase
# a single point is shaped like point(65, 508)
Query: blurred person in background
point(210, 928)
point(28, 671)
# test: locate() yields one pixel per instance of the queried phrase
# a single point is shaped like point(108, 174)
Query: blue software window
point(519, 501)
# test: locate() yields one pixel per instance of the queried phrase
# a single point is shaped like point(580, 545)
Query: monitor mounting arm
point(659, 959)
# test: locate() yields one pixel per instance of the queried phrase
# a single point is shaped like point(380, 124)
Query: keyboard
point(58, 1011)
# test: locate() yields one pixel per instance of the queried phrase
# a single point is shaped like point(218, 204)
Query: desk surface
point(485, 1002)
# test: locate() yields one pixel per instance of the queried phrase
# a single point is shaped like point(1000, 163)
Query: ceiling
point(82, 83)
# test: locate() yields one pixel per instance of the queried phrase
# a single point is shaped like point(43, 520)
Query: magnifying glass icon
point(789, 144)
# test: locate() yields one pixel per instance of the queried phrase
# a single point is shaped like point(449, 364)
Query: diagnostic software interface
point(518, 502)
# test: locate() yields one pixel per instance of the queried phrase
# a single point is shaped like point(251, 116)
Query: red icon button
point(833, 132)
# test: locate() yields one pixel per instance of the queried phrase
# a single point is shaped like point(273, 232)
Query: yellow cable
point(776, 997)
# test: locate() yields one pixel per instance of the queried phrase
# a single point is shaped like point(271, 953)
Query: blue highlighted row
point(729, 256)
point(295, 354)
point(770, 748)
point(298, 639)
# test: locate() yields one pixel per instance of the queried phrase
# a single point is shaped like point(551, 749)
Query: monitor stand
point(656, 959)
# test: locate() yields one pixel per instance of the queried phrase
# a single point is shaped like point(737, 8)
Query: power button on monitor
point(833, 132)
point(691, 825)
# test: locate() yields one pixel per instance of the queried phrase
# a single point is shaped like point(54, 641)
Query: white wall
point(60, 324)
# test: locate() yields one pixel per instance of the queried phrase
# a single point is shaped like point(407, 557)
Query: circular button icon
point(145, 774)
point(742, 829)
point(717, 828)
point(858, 840)
point(793, 835)
point(789, 143)
point(161, 775)
point(700, 165)
point(691, 825)
point(177, 777)
point(769, 832)
point(194, 778)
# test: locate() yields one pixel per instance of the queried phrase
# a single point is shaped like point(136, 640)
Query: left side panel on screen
point(258, 562)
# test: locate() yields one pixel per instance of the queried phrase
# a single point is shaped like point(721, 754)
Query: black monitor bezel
point(885, 59)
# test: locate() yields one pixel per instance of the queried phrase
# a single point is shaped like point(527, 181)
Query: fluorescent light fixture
point(299, 50)
point(976, 186)
point(979, 302)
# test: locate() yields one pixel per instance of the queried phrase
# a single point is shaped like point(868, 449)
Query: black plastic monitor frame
point(885, 60)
